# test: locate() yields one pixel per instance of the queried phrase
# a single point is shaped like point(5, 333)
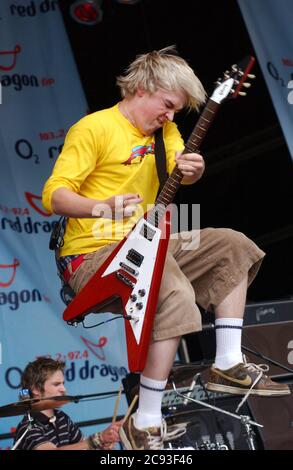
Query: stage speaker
point(271, 342)
point(268, 312)
point(276, 416)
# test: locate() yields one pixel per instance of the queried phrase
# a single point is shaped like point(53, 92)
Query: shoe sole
point(241, 391)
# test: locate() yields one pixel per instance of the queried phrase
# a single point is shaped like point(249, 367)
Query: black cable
point(106, 321)
point(262, 356)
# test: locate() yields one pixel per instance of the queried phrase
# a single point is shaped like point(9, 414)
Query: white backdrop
point(269, 23)
point(41, 98)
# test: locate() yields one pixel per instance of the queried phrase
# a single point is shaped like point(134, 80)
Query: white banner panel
point(269, 23)
point(41, 98)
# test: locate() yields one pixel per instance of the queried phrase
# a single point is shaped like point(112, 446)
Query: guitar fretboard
point(172, 184)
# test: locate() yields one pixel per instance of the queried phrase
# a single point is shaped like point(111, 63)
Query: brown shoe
point(245, 378)
point(140, 439)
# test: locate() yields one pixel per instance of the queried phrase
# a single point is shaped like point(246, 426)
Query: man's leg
point(177, 314)
point(160, 358)
point(153, 380)
point(220, 268)
point(228, 326)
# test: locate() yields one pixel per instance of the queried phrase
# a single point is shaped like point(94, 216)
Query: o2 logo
point(274, 73)
point(290, 95)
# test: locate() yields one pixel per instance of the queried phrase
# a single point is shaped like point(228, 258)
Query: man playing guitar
point(103, 181)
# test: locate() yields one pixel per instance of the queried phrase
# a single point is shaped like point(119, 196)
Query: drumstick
point(130, 408)
point(117, 404)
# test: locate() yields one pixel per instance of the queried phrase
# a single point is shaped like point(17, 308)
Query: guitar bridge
point(125, 279)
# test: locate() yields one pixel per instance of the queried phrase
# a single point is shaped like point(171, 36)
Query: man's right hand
point(117, 207)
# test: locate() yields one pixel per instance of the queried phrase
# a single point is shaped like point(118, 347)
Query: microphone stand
point(77, 398)
point(266, 358)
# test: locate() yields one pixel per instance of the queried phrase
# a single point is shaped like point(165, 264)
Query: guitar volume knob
point(139, 305)
point(133, 297)
point(141, 292)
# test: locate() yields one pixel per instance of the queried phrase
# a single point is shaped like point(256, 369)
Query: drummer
point(52, 428)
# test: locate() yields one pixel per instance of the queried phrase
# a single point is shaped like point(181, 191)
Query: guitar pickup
point(125, 279)
point(128, 269)
point(147, 232)
point(135, 257)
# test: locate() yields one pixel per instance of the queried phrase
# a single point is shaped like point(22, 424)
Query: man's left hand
point(191, 166)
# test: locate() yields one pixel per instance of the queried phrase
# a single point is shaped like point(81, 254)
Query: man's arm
point(81, 445)
point(107, 440)
point(70, 204)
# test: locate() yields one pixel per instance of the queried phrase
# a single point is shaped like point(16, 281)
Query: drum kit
point(29, 406)
point(33, 405)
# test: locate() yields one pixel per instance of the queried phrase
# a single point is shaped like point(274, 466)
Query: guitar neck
point(172, 184)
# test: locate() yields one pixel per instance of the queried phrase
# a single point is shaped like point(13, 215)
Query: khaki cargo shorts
point(201, 267)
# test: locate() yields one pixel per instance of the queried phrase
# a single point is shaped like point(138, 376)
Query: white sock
point(150, 403)
point(228, 342)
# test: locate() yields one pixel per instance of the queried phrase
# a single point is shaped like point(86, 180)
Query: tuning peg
point(247, 84)
point(250, 75)
point(242, 93)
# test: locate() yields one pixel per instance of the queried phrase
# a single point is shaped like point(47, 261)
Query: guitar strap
point(160, 157)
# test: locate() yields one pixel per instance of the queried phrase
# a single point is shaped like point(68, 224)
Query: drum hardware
point(213, 446)
point(206, 445)
point(244, 419)
point(40, 404)
point(27, 406)
point(35, 404)
point(28, 428)
point(249, 433)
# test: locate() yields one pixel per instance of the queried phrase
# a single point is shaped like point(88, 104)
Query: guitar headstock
point(233, 80)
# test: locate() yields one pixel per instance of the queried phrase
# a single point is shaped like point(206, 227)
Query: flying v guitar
point(133, 272)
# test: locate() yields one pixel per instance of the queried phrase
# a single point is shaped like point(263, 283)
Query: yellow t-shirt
point(104, 155)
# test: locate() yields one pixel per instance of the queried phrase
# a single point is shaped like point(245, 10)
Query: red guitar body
point(136, 287)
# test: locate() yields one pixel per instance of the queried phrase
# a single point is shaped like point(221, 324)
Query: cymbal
point(35, 404)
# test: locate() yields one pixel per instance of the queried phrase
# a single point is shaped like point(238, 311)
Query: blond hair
point(162, 69)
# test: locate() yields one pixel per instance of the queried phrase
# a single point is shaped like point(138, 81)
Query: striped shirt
point(62, 432)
